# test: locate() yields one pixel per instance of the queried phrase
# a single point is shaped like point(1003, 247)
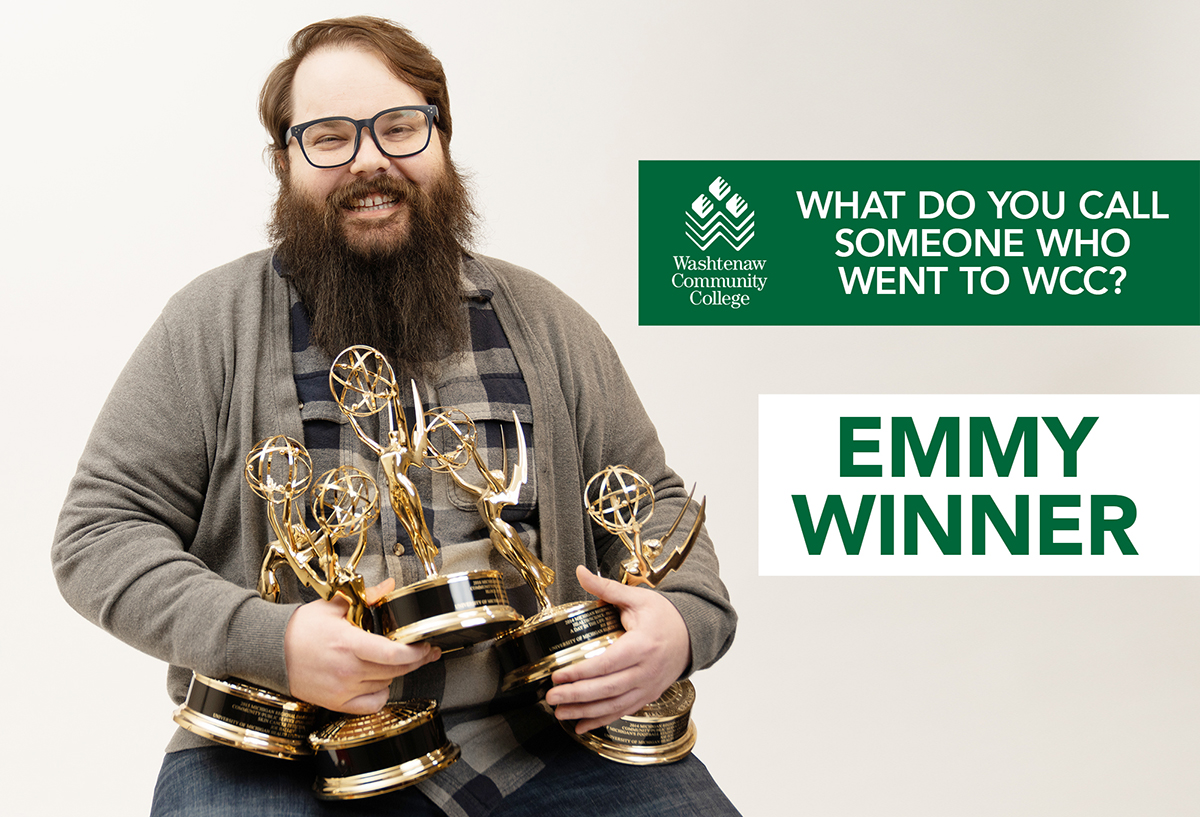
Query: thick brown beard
point(400, 294)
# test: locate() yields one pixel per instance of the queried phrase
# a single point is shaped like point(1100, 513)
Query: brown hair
point(407, 57)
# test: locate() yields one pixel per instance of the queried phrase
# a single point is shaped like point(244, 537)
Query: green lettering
point(1048, 523)
point(948, 539)
point(815, 535)
point(1069, 443)
point(982, 431)
point(984, 509)
point(849, 446)
point(904, 431)
point(1116, 527)
point(887, 525)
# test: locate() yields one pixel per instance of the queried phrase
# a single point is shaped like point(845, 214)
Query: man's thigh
point(221, 782)
point(577, 781)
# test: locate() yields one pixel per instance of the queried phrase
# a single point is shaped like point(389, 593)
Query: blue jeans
point(220, 782)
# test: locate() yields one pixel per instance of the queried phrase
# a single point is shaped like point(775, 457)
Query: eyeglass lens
point(331, 143)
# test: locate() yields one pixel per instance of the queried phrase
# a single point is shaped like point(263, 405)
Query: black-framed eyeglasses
point(334, 140)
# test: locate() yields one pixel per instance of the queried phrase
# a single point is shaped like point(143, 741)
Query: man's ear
point(276, 161)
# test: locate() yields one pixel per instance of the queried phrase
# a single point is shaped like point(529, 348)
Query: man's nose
point(369, 159)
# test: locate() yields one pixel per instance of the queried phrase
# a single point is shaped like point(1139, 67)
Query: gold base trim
point(558, 613)
point(303, 717)
point(441, 580)
point(639, 755)
point(239, 738)
point(493, 620)
point(382, 781)
point(545, 668)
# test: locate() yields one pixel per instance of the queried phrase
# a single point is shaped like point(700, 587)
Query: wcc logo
point(708, 220)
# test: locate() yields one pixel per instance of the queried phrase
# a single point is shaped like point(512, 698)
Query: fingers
point(594, 710)
point(632, 648)
point(719, 188)
point(387, 655)
point(606, 589)
point(374, 594)
point(604, 687)
point(334, 664)
point(599, 713)
point(594, 690)
point(652, 653)
point(596, 702)
point(615, 658)
point(366, 704)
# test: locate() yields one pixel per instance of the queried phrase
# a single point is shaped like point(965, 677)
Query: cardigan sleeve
point(136, 550)
point(629, 438)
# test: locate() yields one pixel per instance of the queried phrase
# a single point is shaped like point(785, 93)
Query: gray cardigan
point(160, 542)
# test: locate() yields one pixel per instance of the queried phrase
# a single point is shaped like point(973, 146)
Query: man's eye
point(326, 141)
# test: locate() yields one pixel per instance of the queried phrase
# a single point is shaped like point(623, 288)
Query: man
point(160, 542)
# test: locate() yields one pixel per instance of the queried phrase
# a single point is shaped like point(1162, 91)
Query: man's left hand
point(651, 655)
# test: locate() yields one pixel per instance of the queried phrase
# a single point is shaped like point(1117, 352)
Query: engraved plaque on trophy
point(232, 711)
point(240, 714)
point(447, 611)
point(662, 731)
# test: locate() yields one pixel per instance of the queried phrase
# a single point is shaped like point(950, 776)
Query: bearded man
point(159, 543)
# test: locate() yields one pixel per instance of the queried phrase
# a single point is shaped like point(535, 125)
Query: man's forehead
point(342, 81)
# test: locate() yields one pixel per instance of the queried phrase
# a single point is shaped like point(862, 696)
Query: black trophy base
point(238, 714)
point(553, 639)
point(375, 754)
point(449, 612)
point(660, 732)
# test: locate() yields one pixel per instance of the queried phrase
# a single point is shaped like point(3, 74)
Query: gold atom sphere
point(452, 437)
point(278, 468)
point(614, 499)
point(346, 501)
point(362, 381)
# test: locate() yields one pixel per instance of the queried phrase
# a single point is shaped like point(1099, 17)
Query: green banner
point(919, 243)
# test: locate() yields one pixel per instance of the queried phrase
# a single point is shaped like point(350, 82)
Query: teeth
point(375, 201)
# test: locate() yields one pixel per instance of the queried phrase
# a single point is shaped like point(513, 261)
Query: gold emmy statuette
point(451, 611)
point(235, 712)
point(662, 731)
point(565, 634)
point(345, 501)
point(374, 754)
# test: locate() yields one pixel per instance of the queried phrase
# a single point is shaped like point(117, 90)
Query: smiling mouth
point(371, 203)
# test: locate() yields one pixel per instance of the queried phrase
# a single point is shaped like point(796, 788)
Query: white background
point(133, 164)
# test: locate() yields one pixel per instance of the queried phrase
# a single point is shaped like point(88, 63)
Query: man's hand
point(334, 664)
point(648, 658)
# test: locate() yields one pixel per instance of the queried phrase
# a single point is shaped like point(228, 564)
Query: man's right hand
point(338, 666)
